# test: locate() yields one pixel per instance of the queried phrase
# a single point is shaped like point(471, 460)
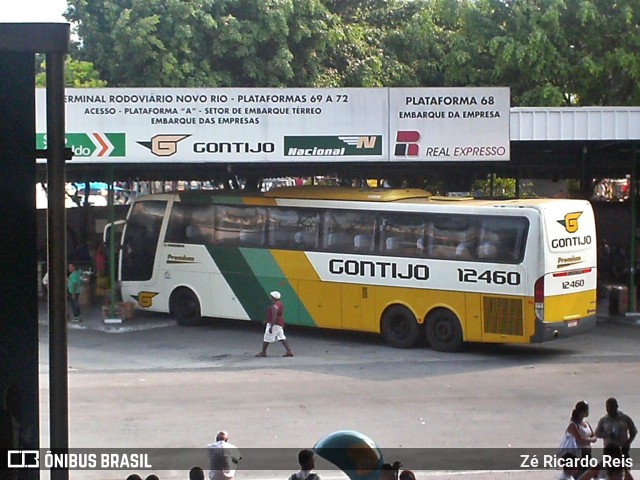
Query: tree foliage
point(550, 52)
point(77, 74)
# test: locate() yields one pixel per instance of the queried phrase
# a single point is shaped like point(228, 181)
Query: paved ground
point(138, 384)
point(93, 318)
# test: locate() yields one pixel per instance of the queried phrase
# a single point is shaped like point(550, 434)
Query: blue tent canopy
point(96, 186)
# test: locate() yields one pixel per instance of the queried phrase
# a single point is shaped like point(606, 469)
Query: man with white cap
point(274, 330)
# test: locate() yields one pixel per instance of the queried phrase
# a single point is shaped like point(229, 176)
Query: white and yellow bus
point(401, 263)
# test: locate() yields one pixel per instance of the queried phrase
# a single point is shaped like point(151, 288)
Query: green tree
point(77, 74)
point(495, 186)
point(238, 43)
point(552, 52)
point(549, 52)
point(604, 40)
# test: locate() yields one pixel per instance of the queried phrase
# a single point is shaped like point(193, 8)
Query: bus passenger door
point(322, 301)
point(357, 308)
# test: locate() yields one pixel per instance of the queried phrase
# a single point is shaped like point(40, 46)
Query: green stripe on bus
point(252, 273)
point(270, 275)
point(241, 280)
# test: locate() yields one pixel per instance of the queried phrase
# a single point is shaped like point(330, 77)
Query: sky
point(33, 11)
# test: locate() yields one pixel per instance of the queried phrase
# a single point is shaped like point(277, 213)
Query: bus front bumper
point(550, 331)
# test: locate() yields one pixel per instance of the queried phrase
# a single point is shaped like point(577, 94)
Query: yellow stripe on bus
point(569, 306)
point(355, 306)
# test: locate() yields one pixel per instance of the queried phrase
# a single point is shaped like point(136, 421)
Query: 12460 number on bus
point(572, 284)
point(496, 277)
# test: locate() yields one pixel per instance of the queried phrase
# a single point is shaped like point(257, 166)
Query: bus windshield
point(140, 240)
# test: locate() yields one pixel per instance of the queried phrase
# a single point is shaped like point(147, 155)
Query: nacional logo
point(164, 145)
point(333, 146)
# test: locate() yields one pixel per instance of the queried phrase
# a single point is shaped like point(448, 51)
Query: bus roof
point(311, 192)
point(349, 194)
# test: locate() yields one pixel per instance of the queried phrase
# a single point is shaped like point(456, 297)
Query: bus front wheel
point(444, 332)
point(185, 307)
point(399, 327)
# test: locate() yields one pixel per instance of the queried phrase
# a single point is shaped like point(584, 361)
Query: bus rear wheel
point(444, 332)
point(399, 327)
point(185, 307)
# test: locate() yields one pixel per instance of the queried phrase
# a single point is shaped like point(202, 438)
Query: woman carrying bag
point(580, 429)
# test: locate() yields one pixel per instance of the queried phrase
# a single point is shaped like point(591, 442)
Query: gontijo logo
point(333, 146)
point(570, 222)
point(164, 145)
point(145, 299)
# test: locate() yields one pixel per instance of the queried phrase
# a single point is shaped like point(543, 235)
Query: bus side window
point(291, 228)
point(243, 226)
point(425, 244)
point(487, 250)
point(466, 248)
point(401, 233)
point(304, 239)
point(338, 240)
point(251, 227)
point(341, 227)
point(363, 242)
point(394, 243)
point(251, 237)
point(502, 239)
point(177, 228)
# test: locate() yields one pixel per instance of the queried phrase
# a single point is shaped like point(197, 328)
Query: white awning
point(574, 123)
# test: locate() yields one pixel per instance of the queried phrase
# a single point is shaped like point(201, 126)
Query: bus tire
point(185, 307)
point(444, 332)
point(399, 327)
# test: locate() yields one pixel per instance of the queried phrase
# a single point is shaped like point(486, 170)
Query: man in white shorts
point(274, 326)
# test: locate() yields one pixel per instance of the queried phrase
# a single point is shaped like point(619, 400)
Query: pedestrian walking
point(223, 458)
point(616, 428)
point(306, 460)
point(74, 282)
point(274, 326)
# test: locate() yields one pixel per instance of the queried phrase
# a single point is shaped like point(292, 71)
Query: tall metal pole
point(112, 248)
point(57, 250)
point(632, 252)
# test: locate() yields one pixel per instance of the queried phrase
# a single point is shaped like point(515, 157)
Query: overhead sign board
point(255, 125)
point(449, 124)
